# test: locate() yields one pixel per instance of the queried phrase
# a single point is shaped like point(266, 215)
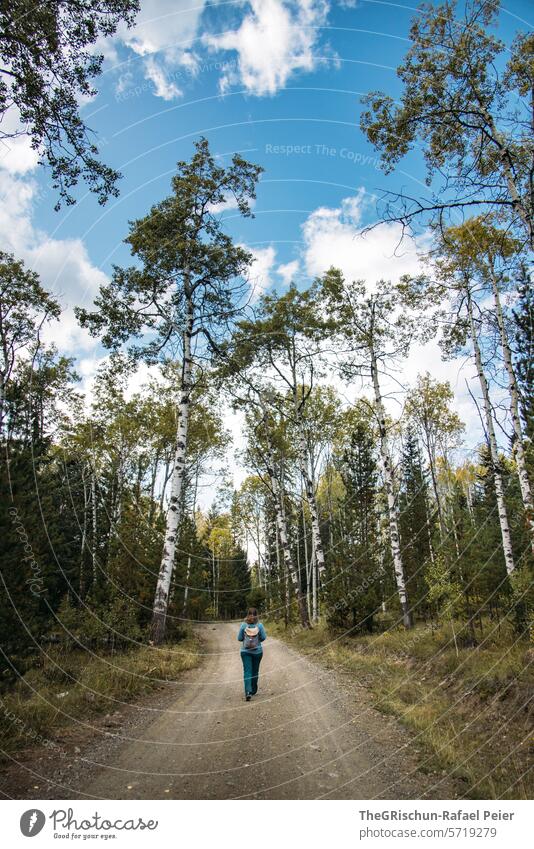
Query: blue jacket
point(262, 635)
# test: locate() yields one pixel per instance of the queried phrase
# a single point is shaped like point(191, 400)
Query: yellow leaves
point(220, 540)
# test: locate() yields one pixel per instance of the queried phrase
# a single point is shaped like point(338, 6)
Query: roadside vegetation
point(361, 506)
point(469, 708)
point(69, 686)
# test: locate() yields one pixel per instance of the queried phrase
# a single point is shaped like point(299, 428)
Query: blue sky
point(278, 80)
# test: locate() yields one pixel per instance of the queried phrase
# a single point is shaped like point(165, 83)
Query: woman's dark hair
point(252, 615)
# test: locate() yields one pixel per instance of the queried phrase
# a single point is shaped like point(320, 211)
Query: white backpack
point(251, 637)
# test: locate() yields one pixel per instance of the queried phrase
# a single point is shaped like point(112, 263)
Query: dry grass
point(71, 685)
point(471, 708)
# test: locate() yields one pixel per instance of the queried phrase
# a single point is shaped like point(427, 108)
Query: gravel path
point(309, 733)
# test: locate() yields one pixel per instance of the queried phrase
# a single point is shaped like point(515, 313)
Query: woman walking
point(251, 634)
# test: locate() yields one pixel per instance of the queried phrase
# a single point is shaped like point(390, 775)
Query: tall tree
point(282, 342)
point(428, 410)
point(524, 358)
point(489, 254)
point(274, 475)
point(354, 564)
point(415, 528)
point(182, 296)
point(25, 307)
point(49, 61)
point(267, 454)
point(39, 545)
point(375, 333)
point(465, 325)
point(472, 120)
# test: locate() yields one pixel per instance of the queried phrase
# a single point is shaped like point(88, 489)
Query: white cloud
point(163, 36)
point(288, 271)
point(63, 265)
point(332, 236)
point(16, 154)
point(16, 199)
point(163, 24)
point(274, 40)
point(260, 274)
point(228, 204)
point(163, 86)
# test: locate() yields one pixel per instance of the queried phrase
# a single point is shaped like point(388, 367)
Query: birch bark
point(161, 598)
point(522, 473)
point(283, 535)
point(393, 512)
point(94, 524)
point(186, 588)
point(307, 478)
point(506, 159)
point(494, 453)
point(84, 532)
point(312, 503)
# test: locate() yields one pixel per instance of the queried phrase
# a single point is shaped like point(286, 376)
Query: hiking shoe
point(248, 697)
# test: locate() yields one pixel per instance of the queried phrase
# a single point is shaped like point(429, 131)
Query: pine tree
point(524, 358)
point(354, 570)
point(415, 527)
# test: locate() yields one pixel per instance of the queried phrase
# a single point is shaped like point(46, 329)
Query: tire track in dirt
point(307, 732)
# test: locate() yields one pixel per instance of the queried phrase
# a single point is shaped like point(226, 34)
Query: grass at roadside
point(471, 708)
point(70, 685)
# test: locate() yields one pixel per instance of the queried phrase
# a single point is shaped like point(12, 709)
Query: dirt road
point(307, 734)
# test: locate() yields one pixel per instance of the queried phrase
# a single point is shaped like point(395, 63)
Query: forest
point(347, 512)
point(120, 521)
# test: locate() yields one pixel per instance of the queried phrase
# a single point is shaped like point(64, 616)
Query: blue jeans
point(251, 669)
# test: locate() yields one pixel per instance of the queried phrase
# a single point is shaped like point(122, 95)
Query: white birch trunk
point(308, 485)
point(429, 532)
point(314, 513)
point(315, 599)
point(161, 598)
point(283, 536)
point(522, 473)
point(186, 588)
point(317, 560)
point(2, 396)
point(393, 513)
point(307, 562)
point(94, 524)
point(494, 453)
point(84, 533)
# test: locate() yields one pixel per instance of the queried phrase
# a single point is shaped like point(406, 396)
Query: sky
point(279, 81)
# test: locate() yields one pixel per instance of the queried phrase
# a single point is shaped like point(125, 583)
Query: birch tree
point(464, 324)
point(249, 512)
point(373, 336)
point(472, 121)
point(283, 342)
point(523, 335)
point(25, 307)
point(489, 254)
point(267, 452)
point(178, 301)
point(428, 408)
point(277, 492)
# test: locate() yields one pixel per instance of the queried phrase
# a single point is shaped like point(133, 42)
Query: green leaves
point(47, 63)
point(472, 123)
point(185, 264)
point(24, 308)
